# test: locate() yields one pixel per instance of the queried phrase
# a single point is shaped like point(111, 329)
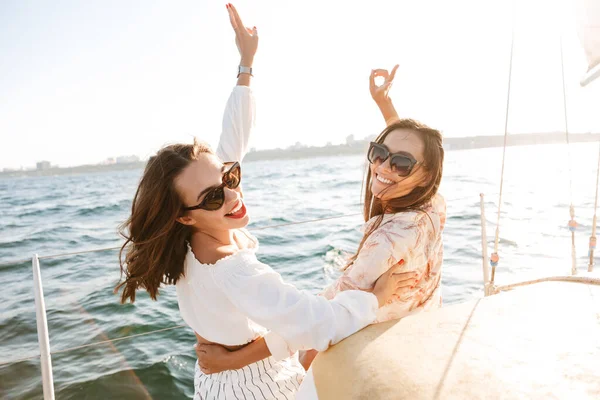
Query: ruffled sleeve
point(298, 320)
point(238, 122)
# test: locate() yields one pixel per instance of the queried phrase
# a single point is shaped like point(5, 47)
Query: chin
point(238, 219)
point(376, 191)
point(238, 223)
point(377, 195)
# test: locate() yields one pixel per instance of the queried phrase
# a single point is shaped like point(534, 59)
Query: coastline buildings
point(127, 159)
point(299, 150)
point(42, 165)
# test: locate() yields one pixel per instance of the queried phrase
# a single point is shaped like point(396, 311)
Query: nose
point(231, 195)
point(384, 167)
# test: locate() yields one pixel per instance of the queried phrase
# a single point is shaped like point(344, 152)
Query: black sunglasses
point(400, 163)
point(215, 197)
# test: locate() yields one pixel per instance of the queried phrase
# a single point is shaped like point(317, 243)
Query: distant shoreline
point(355, 147)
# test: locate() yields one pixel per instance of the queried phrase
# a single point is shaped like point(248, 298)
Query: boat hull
point(539, 341)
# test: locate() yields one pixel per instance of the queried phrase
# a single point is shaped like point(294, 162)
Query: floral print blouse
point(413, 239)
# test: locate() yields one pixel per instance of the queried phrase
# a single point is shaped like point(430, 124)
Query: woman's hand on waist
point(214, 358)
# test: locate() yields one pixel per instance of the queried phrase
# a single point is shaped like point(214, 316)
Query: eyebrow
point(208, 189)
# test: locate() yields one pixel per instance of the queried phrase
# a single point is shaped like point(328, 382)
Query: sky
point(81, 81)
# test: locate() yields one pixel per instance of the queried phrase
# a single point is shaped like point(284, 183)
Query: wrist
point(385, 102)
point(246, 61)
point(380, 302)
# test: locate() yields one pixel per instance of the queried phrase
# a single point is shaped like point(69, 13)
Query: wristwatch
point(244, 70)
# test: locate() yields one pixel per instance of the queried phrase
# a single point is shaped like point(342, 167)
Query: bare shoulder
point(208, 253)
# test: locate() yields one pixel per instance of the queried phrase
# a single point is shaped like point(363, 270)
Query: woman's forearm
point(214, 358)
point(388, 111)
point(381, 93)
point(250, 354)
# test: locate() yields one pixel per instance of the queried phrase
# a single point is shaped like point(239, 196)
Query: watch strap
point(244, 70)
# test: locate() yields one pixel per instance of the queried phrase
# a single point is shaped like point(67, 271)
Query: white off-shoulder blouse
point(239, 299)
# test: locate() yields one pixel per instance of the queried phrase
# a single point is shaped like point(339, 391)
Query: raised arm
point(380, 93)
point(240, 111)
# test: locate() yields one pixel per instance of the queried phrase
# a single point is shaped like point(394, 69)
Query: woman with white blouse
point(187, 227)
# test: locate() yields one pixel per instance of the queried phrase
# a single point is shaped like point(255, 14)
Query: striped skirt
point(266, 379)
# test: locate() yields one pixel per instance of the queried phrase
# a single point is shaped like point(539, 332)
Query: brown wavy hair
point(433, 155)
point(155, 243)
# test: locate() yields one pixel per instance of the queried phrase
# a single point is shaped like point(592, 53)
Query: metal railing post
point(484, 250)
point(42, 329)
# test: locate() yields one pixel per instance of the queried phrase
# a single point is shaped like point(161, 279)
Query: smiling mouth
point(383, 180)
point(239, 211)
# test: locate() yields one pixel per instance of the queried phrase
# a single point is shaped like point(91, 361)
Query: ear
point(186, 220)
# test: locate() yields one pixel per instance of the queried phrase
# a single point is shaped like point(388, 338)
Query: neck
point(222, 237)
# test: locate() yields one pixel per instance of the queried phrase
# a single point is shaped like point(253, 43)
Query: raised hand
point(380, 93)
point(246, 39)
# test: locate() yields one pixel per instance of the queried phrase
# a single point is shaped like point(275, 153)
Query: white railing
point(484, 249)
point(42, 328)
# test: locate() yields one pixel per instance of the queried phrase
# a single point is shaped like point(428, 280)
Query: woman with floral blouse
point(404, 214)
point(404, 220)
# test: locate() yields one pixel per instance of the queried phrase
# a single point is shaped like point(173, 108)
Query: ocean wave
point(42, 212)
point(102, 209)
point(20, 243)
point(158, 380)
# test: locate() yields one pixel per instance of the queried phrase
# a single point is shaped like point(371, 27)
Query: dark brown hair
point(155, 243)
point(433, 157)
